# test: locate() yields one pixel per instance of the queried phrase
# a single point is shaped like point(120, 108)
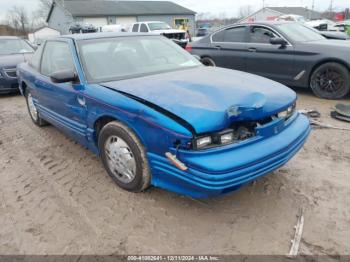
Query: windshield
point(158, 26)
point(14, 46)
point(118, 58)
point(299, 33)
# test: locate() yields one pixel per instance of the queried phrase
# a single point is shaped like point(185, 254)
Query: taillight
point(189, 47)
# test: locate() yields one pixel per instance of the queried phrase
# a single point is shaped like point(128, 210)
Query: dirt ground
point(57, 199)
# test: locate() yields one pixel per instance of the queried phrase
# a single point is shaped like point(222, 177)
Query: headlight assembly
point(203, 142)
point(288, 112)
point(225, 137)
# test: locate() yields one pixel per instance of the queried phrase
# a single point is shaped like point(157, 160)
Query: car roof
point(146, 22)
point(9, 37)
point(267, 23)
point(103, 35)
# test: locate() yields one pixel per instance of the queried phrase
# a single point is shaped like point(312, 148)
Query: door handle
point(81, 100)
point(218, 47)
point(252, 49)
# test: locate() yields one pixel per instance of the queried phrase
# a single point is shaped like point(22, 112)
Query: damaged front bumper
point(221, 170)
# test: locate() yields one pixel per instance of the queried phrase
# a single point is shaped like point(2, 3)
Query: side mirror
point(278, 41)
point(63, 76)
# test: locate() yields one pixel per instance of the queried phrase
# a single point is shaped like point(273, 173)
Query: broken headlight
point(225, 137)
point(203, 142)
point(288, 112)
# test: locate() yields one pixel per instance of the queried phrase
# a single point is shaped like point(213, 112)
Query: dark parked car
point(202, 32)
point(82, 29)
point(13, 51)
point(288, 52)
point(157, 116)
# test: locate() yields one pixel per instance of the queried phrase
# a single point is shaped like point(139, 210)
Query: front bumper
point(8, 85)
point(222, 170)
point(183, 42)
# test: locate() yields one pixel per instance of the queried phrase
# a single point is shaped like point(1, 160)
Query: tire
point(208, 61)
point(32, 110)
point(330, 81)
point(124, 157)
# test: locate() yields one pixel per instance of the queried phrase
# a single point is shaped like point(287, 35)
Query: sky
point(229, 8)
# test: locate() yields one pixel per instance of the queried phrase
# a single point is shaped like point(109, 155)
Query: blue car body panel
point(206, 99)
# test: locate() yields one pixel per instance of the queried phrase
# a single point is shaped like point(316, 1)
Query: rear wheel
point(33, 111)
point(124, 157)
point(208, 61)
point(330, 81)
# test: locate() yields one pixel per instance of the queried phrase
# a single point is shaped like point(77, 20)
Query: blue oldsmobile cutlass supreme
point(157, 117)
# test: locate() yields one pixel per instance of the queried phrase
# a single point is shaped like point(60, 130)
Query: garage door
point(126, 20)
point(96, 21)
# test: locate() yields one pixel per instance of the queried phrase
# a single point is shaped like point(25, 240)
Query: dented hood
point(208, 98)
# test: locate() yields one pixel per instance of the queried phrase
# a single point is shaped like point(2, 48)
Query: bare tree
point(44, 8)
point(245, 10)
point(17, 18)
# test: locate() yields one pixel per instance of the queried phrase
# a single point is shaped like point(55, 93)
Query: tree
point(17, 18)
point(245, 10)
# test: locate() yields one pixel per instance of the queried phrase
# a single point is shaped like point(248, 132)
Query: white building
point(42, 34)
point(271, 13)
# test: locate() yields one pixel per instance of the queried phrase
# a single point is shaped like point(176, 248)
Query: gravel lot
point(57, 199)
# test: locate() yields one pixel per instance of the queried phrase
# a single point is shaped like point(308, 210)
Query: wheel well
point(207, 56)
point(100, 123)
point(328, 61)
point(23, 87)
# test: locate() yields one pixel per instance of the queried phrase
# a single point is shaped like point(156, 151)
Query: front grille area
point(177, 36)
point(11, 73)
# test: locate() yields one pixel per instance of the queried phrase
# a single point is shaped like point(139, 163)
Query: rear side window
point(219, 36)
point(34, 62)
point(135, 28)
point(56, 57)
point(235, 34)
point(144, 28)
point(231, 35)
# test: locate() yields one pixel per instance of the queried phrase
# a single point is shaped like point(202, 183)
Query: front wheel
point(33, 111)
point(330, 81)
point(124, 157)
point(207, 61)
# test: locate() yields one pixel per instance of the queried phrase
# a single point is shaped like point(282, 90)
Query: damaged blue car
point(157, 117)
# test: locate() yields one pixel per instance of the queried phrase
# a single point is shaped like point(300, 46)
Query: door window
point(234, 34)
point(135, 28)
point(144, 28)
point(56, 57)
point(34, 62)
point(261, 35)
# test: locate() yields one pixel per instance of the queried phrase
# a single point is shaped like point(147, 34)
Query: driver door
point(61, 103)
point(272, 61)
